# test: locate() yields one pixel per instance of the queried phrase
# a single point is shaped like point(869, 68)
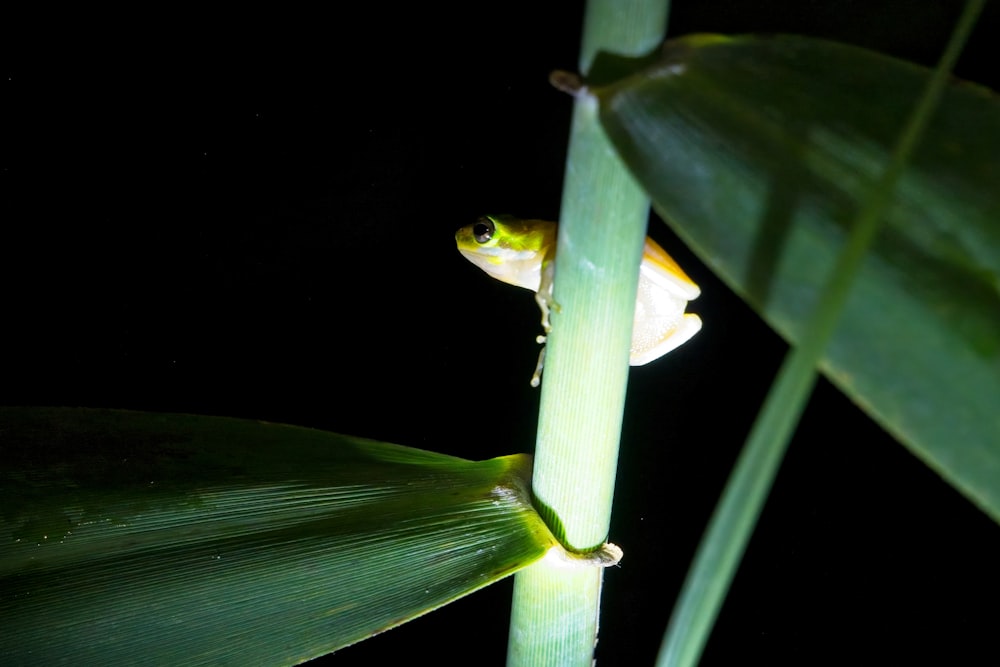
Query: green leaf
point(759, 151)
point(136, 538)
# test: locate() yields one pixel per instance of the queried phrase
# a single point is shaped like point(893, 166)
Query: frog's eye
point(483, 230)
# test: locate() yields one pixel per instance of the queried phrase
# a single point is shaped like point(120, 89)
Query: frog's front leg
point(543, 297)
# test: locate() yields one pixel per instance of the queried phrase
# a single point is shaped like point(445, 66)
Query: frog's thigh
point(689, 325)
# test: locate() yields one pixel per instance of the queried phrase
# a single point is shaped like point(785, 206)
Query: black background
point(252, 215)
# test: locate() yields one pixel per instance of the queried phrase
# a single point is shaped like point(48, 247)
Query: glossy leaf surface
point(759, 152)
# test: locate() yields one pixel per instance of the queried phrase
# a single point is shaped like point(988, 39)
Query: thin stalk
point(736, 515)
point(601, 232)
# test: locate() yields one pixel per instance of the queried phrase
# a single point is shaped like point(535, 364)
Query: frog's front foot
point(546, 304)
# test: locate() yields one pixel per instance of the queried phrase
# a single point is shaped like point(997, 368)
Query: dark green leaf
point(135, 538)
point(759, 151)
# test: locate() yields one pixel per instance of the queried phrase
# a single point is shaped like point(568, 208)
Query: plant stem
point(601, 232)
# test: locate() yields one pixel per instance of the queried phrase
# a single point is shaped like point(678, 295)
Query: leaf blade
point(265, 534)
point(758, 152)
